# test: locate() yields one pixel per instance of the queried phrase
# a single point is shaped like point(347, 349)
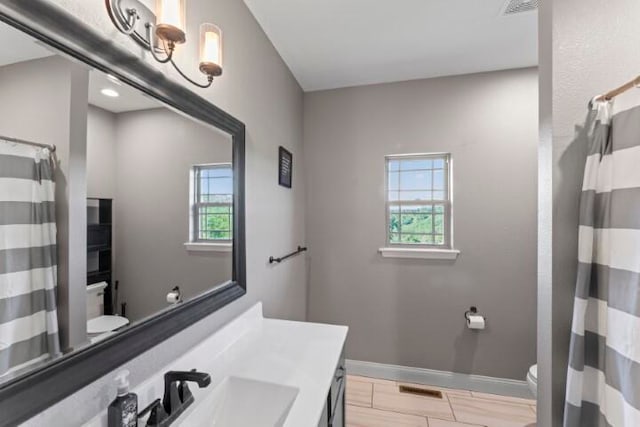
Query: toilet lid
point(533, 372)
point(103, 324)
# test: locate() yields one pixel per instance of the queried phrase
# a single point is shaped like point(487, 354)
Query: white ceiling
point(19, 47)
point(22, 47)
point(337, 43)
point(129, 99)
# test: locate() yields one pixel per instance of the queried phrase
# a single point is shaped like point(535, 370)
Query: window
point(212, 203)
point(418, 201)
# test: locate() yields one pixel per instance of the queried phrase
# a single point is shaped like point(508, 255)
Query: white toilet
point(532, 379)
point(99, 325)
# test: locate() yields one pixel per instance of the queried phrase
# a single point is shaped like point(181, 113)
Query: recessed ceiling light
point(109, 92)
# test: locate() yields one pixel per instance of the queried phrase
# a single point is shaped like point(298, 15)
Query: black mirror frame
point(25, 396)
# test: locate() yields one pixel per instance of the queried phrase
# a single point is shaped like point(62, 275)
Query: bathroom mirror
point(121, 209)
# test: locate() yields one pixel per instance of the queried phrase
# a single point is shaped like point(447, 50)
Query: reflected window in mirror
point(114, 248)
point(212, 207)
point(139, 155)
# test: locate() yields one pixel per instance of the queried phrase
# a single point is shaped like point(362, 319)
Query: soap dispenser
point(123, 411)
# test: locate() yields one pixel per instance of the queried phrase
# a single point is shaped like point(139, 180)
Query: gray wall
point(258, 89)
point(45, 101)
point(101, 153)
point(545, 215)
point(410, 312)
point(588, 47)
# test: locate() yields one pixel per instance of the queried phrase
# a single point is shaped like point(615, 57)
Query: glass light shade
point(210, 49)
point(170, 20)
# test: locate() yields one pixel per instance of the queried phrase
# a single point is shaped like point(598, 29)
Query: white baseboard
point(479, 383)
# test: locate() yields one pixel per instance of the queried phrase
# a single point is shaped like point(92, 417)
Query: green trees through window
point(216, 223)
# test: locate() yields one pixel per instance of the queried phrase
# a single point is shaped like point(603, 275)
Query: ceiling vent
point(512, 7)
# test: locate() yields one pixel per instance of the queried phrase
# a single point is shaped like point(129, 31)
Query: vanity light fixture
point(162, 31)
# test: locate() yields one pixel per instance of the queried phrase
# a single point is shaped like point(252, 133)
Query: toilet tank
point(95, 299)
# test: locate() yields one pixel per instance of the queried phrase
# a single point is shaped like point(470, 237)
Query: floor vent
point(512, 7)
point(421, 391)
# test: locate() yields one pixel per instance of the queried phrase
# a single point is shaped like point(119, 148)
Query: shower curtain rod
point(22, 141)
point(619, 90)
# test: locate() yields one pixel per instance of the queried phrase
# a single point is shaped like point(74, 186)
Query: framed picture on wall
point(285, 167)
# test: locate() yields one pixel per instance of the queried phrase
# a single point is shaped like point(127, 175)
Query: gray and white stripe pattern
point(603, 380)
point(28, 267)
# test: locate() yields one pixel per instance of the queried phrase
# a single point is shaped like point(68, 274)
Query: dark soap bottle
point(123, 411)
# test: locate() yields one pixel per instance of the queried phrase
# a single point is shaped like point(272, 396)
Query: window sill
point(208, 247)
point(419, 253)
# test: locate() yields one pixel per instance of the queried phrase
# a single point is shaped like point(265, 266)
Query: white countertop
point(297, 354)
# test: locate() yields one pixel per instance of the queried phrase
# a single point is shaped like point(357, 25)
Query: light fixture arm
point(125, 14)
point(132, 17)
point(203, 86)
point(151, 38)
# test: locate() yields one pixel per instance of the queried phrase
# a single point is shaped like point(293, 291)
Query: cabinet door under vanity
point(333, 414)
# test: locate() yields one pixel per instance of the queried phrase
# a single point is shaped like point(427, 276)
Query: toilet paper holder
point(174, 296)
point(472, 310)
point(474, 320)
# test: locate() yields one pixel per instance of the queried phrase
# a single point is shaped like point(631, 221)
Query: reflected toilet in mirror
point(134, 203)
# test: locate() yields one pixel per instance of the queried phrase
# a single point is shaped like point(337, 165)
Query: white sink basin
point(240, 402)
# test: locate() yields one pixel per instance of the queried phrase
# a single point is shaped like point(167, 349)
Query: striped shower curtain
point(28, 317)
point(603, 382)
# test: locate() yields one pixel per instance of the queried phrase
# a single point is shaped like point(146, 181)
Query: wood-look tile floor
point(373, 402)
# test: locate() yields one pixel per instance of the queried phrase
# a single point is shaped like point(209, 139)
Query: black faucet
point(177, 397)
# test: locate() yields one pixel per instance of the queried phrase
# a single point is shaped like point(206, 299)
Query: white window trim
point(424, 251)
point(208, 247)
point(419, 253)
point(202, 245)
